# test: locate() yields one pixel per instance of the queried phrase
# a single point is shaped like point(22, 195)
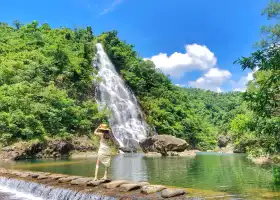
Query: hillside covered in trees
point(47, 84)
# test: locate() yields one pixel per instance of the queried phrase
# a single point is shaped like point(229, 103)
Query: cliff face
point(51, 148)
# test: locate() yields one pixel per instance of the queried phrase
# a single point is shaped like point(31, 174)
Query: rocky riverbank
point(117, 189)
point(50, 148)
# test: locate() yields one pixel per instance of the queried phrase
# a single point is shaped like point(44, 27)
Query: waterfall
point(126, 119)
point(23, 190)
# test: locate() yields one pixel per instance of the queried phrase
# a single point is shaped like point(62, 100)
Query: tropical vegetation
point(47, 84)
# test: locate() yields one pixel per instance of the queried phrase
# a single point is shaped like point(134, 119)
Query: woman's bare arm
point(96, 132)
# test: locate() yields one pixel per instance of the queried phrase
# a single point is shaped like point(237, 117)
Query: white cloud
point(111, 7)
point(241, 84)
point(197, 57)
point(212, 80)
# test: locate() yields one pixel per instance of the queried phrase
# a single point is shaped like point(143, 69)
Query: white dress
point(104, 151)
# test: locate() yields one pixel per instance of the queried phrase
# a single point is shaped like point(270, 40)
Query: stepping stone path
point(115, 184)
point(149, 189)
point(132, 186)
point(106, 188)
point(81, 181)
point(67, 179)
point(167, 193)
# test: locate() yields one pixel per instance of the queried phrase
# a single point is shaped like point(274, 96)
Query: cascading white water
point(23, 190)
point(126, 120)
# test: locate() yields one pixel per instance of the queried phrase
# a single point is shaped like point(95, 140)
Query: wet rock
point(81, 181)
point(167, 193)
point(43, 176)
point(115, 184)
point(62, 147)
point(153, 154)
point(21, 150)
point(163, 144)
point(34, 148)
point(189, 153)
point(79, 155)
point(83, 144)
point(34, 175)
point(98, 182)
point(149, 189)
point(128, 150)
point(172, 153)
point(24, 175)
point(68, 179)
point(3, 171)
point(132, 186)
point(57, 176)
point(223, 140)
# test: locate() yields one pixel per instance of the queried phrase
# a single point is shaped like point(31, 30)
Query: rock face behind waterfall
point(126, 119)
point(163, 144)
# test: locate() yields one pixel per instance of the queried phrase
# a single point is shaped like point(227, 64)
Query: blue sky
point(195, 41)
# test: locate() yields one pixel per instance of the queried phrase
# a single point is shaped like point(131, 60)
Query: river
point(207, 174)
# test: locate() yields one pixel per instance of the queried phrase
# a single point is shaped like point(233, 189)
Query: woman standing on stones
point(104, 151)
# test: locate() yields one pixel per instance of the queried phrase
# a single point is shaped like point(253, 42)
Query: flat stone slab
point(4, 171)
point(132, 186)
point(115, 184)
point(98, 182)
point(43, 176)
point(34, 175)
point(81, 181)
point(24, 175)
point(68, 179)
point(149, 189)
point(167, 193)
point(57, 176)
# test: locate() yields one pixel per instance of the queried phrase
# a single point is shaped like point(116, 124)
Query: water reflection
point(233, 174)
point(130, 167)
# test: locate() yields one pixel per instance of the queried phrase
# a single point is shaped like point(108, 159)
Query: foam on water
point(12, 189)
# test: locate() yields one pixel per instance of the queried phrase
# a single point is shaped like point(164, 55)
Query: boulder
point(63, 147)
point(149, 189)
point(21, 150)
point(163, 144)
point(223, 140)
point(83, 144)
point(167, 193)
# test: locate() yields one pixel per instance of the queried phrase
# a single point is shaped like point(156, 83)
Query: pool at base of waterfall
point(206, 174)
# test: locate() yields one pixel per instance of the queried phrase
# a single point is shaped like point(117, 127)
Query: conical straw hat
point(104, 127)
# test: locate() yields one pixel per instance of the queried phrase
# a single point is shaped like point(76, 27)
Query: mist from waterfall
point(126, 119)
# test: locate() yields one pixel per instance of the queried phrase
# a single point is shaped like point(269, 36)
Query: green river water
point(206, 175)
